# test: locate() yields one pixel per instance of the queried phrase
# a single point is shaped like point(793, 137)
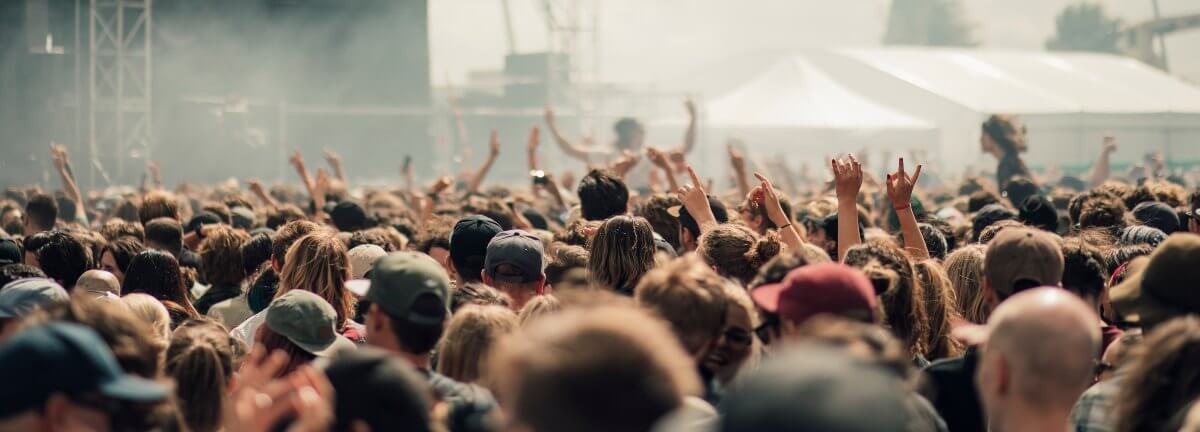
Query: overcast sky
point(664, 42)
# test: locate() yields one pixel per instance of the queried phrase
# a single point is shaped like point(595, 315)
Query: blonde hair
point(737, 251)
point(152, 312)
point(318, 263)
point(201, 358)
point(941, 308)
point(470, 336)
point(538, 307)
point(964, 268)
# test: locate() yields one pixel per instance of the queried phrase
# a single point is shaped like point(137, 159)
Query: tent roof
point(795, 94)
point(1034, 82)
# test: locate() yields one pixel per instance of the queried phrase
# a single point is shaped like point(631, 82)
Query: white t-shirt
point(248, 328)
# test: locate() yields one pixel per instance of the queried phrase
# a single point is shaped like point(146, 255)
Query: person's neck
point(1027, 420)
point(419, 361)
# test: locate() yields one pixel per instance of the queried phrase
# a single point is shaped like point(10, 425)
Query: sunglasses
point(769, 325)
point(737, 336)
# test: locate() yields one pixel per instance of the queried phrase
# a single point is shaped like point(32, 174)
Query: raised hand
point(770, 200)
point(322, 184)
point(535, 139)
point(695, 201)
point(735, 156)
point(690, 106)
point(255, 186)
point(900, 186)
point(626, 162)
point(494, 145)
point(847, 177)
point(332, 157)
point(549, 115)
point(658, 158)
point(441, 184)
point(257, 400)
point(1110, 144)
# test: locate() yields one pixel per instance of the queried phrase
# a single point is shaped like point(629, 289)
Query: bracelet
point(785, 226)
point(899, 209)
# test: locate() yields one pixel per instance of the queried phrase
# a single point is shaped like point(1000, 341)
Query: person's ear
point(989, 296)
point(58, 412)
point(376, 319)
point(276, 265)
point(487, 280)
point(450, 265)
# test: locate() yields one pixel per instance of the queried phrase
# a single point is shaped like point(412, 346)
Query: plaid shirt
point(1093, 412)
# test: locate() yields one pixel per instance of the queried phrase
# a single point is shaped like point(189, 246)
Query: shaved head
point(1040, 354)
point(99, 282)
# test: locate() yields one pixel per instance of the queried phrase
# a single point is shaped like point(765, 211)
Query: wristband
point(899, 209)
point(785, 226)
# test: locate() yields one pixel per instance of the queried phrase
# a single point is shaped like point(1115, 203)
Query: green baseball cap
point(401, 278)
point(308, 321)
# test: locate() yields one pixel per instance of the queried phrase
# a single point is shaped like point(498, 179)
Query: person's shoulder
point(947, 365)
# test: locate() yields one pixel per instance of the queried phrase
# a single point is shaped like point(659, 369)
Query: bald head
point(98, 282)
point(1046, 339)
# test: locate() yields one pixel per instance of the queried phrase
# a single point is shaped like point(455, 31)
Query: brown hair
point(1006, 132)
point(201, 359)
point(630, 365)
point(622, 251)
point(941, 308)
point(115, 229)
point(1103, 211)
point(135, 345)
point(1163, 379)
point(900, 292)
point(476, 293)
point(656, 211)
point(469, 338)
point(287, 235)
point(964, 269)
point(870, 343)
point(276, 342)
point(737, 251)
point(690, 296)
point(789, 259)
point(158, 204)
point(221, 255)
point(318, 263)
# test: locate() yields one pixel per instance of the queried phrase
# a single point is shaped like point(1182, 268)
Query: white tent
point(798, 112)
point(1068, 101)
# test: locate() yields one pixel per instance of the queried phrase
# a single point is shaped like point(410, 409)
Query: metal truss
point(119, 80)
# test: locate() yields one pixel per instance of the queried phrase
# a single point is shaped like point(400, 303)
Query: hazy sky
point(668, 42)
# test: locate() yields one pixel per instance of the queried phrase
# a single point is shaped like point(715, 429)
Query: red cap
point(829, 288)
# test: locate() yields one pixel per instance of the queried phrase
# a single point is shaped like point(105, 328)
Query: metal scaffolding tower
point(574, 30)
point(119, 80)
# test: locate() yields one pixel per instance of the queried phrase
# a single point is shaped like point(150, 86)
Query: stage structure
point(119, 82)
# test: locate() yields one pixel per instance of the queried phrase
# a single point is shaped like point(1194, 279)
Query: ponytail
point(200, 359)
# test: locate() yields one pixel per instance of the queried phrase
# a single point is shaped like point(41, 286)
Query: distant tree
point(929, 22)
point(1085, 26)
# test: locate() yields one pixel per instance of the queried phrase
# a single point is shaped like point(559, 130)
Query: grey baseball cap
point(20, 297)
point(519, 249)
point(308, 321)
point(399, 279)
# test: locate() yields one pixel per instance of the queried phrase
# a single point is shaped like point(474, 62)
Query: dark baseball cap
point(22, 296)
point(242, 217)
point(10, 253)
point(1162, 286)
point(380, 389)
point(65, 358)
point(201, 219)
point(401, 278)
point(826, 288)
point(812, 387)
point(472, 234)
point(519, 249)
point(308, 321)
point(1022, 257)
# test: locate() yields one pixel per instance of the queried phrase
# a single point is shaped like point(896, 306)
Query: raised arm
point(689, 137)
point(297, 161)
point(623, 164)
point(257, 188)
point(1102, 170)
point(660, 160)
point(739, 166)
point(571, 150)
point(847, 180)
point(899, 189)
point(63, 164)
point(335, 162)
point(696, 202)
point(787, 231)
point(493, 153)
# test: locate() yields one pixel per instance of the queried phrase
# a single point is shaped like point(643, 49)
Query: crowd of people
point(639, 297)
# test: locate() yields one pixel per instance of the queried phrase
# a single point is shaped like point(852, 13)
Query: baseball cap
point(348, 216)
point(470, 238)
point(362, 257)
point(519, 249)
point(200, 220)
point(19, 297)
point(308, 321)
point(10, 253)
point(835, 391)
point(368, 378)
point(1162, 286)
point(1026, 255)
point(78, 363)
point(810, 290)
point(1157, 215)
point(401, 278)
